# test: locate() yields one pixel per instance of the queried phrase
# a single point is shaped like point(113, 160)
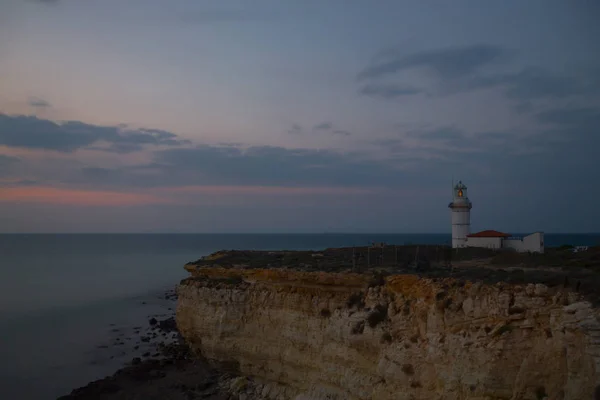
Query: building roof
point(489, 234)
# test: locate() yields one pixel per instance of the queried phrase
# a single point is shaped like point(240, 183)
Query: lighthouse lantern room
point(461, 215)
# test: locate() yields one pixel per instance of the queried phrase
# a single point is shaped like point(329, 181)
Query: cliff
point(333, 335)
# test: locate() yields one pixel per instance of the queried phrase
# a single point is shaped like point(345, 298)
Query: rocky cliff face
point(315, 335)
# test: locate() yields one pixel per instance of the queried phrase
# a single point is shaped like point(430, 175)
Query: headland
point(388, 322)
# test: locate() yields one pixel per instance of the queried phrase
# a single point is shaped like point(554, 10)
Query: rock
point(154, 374)
point(238, 384)
point(540, 290)
point(168, 325)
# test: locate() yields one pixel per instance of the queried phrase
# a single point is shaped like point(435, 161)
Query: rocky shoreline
point(166, 368)
point(169, 369)
point(175, 374)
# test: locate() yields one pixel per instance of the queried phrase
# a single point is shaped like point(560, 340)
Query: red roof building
point(489, 234)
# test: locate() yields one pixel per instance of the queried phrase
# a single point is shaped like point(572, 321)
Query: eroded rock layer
point(317, 335)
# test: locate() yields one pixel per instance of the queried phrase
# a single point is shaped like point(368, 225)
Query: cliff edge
point(348, 335)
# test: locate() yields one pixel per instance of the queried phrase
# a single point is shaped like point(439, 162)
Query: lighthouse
point(461, 215)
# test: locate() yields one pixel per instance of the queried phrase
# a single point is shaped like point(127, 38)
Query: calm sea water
point(64, 298)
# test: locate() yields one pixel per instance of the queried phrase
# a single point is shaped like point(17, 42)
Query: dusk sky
point(298, 116)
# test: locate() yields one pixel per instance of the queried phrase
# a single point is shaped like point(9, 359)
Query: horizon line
point(268, 233)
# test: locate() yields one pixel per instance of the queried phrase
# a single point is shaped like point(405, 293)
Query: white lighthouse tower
point(461, 215)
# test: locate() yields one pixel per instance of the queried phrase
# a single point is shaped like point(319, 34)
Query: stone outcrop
point(317, 335)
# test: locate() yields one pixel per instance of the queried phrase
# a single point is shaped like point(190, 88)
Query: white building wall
point(487, 242)
point(516, 244)
point(533, 243)
point(461, 226)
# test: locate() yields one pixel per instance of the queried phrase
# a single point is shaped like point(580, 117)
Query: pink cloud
point(50, 195)
point(268, 190)
point(172, 195)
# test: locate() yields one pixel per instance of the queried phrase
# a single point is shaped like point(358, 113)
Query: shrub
point(378, 279)
point(325, 313)
point(408, 369)
point(358, 328)
point(379, 314)
point(503, 329)
point(355, 299)
point(516, 310)
point(386, 338)
point(540, 392)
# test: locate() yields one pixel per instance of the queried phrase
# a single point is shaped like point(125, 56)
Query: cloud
point(447, 63)
point(388, 90)
point(523, 107)
point(230, 166)
point(532, 83)
point(324, 126)
point(51, 195)
point(341, 132)
point(38, 103)
point(572, 134)
point(419, 159)
point(456, 70)
point(448, 133)
point(295, 129)
point(7, 160)
point(34, 133)
point(328, 127)
point(222, 15)
point(266, 165)
point(582, 118)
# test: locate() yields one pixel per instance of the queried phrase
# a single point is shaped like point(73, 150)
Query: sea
point(69, 303)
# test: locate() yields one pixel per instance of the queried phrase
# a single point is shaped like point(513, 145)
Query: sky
point(298, 115)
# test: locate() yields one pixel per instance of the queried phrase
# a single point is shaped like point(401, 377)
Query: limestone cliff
point(317, 335)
